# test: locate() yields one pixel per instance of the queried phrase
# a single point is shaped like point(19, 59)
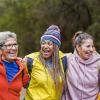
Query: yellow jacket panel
point(41, 86)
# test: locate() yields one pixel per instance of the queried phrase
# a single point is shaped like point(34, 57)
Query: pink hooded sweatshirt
point(82, 78)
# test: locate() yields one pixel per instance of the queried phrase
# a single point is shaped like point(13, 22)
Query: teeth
point(46, 51)
point(11, 55)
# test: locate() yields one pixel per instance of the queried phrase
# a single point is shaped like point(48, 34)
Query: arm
point(25, 77)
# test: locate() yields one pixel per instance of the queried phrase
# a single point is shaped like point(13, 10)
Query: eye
point(43, 42)
point(15, 44)
point(9, 46)
point(88, 46)
point(50, 43)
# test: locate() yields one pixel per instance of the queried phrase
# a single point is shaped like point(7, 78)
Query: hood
point(94, 58)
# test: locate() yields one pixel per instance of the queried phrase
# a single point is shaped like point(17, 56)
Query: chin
point(46, 57)
point(12, 58)
point(86, 58)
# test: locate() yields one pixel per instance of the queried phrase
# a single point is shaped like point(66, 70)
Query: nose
point(91, 48)
point(46, 45)
point(13, 47)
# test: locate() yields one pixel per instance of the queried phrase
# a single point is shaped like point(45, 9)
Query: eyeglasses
point(9, 46)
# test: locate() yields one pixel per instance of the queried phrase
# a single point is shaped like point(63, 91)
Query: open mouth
point(89, 54)
point(11, 54)
point(46, 52)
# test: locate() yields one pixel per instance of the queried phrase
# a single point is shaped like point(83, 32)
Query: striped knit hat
point(52, 34)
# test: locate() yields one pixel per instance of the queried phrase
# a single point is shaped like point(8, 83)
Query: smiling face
point(85, 50)
point(47, 49)
point(10, 49)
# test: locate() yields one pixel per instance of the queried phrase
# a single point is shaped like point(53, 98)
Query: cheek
point(81, 49)
point(52, 49)
point(84, 52)
point(4, 53)
point(80, 52)
point(41, 47)
point(52, 52)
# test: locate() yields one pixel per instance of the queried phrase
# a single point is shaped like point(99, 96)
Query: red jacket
point(12, 91)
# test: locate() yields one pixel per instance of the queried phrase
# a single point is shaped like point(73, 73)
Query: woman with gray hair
point(83, 77)
point(13, 74)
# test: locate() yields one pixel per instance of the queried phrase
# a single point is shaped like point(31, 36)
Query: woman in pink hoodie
point(83, 69)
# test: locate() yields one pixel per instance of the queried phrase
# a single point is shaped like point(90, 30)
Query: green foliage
point(30, 18)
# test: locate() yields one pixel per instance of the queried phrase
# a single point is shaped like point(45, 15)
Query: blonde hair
point(56, 66)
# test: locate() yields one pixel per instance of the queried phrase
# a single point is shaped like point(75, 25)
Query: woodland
point(29, 19)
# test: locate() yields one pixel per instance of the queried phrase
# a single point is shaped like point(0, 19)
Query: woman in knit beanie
point(47, 71)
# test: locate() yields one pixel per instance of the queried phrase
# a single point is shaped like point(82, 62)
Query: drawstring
point(99, 79)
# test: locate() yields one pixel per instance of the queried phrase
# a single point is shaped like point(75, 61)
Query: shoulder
point(68, 54)
point(31, 58)
point(61, 54)
point(96, 57)
point(33, 55)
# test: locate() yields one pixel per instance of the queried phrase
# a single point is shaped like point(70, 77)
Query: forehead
point(46, 41)
point(87, 41)
point(10, 40)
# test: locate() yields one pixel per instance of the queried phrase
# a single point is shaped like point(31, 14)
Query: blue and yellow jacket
point(41, 86)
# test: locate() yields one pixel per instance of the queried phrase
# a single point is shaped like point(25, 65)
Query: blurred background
point(30, 18)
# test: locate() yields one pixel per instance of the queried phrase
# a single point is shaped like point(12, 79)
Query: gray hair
point(79, 38)
point(5, 35)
